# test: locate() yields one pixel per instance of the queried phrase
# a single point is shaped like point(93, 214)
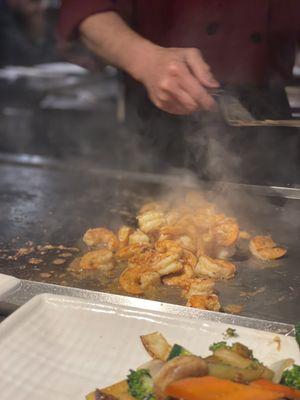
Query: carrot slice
point(289, 393)
point(211, 388)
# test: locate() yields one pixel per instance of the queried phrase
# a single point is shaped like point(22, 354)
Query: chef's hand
point(177, 80)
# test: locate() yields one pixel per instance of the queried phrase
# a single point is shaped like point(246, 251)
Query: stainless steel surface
point(42, 202)
point(28, 289)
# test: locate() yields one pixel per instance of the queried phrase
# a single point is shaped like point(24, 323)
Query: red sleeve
point(73, 12)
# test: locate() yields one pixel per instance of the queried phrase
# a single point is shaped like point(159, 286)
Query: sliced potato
point(156, 346)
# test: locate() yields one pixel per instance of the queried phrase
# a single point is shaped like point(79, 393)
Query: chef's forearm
point(109, 37)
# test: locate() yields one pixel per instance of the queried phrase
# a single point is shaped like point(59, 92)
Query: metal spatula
point(237, 115)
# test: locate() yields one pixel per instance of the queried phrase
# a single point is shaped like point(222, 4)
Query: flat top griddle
point(51, 203)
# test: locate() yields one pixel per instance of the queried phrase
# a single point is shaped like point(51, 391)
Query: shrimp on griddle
point(151, 221)
point(97, 259)
point(133, 250)
point(154, 206)
point(181, 280)
point(198, 286)
point(167, 263)
point(123, 235)
point(204, 302)
point(264, 248)
point(136, 279)
point(216, 269)
point(138, 237)
point(225, 232)
point(168, 245)
point(101, 237)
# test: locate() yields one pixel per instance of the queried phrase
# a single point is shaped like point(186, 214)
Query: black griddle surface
point(44, 204)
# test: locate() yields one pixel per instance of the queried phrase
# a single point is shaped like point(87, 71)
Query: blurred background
point(60, 102)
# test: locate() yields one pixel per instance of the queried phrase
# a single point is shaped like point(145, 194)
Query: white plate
point(57, 347)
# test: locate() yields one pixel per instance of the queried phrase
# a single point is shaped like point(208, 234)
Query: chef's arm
point(177, 79)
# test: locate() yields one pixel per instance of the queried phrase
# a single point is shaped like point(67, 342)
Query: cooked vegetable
point(230, 332)
point(297, 329)
point(218, 345)
point(291, 377)
point(178, 368)
point(230, 357)
point(279, 367)
point(243, 375)
point(156, 346)
point(211, 388)
point(289, 393)
point(140, 384)
point(178, 350)
point(236, 362)
point(118, 390)
point(242, 350)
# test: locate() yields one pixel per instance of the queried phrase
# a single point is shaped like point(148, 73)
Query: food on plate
point(291, 377)
point(264, 248)
point(297, 331)
point(230, 372)
point(183, 244)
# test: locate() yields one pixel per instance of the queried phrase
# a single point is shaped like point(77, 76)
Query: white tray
point(58, 347)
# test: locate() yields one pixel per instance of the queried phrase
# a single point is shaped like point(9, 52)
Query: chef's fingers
point(200, 69)
point(175, 100)
point(192, 86)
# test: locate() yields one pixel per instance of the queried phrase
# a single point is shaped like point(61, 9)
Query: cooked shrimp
point(225, 232)
point(217, 269)
point(188, 258)
point(154, 206)
point(162, 246)
point(186, 242)
point(167, 263)
point(97, 259)
point(205, 245)
point(204, 218)
point(101, 236)
point(172, 217)
point(123, 235)
point(146, 258)
point(181, 228)
point(182, 280)
point(205, 302)
point(199, 286)
point(224, 252)
point(264, 248)
point(132, 250)
point(151, 221)
point(134, 279)
point(138, 237)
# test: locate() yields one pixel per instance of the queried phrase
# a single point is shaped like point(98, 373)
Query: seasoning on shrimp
point(100, 236)
point(264, 248)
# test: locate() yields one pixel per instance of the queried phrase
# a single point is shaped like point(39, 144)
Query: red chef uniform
point(244, 42)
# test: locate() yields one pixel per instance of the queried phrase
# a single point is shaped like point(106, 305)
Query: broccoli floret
point(140, 384)
point(217, 346)
point(297, 329)
point(291, 377)
point(177, 351)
